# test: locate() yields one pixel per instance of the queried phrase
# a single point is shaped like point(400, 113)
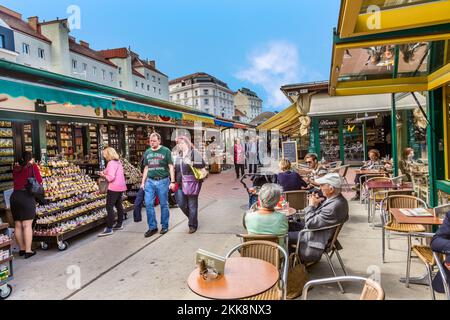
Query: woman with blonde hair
point(288, 179)
point(117, 186)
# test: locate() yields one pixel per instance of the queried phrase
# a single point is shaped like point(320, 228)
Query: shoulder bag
point(103, 184)
point(34, 187)
point(297, 277)
point(189, 183)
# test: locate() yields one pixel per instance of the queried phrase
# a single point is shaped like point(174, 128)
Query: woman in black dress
point(23, 203)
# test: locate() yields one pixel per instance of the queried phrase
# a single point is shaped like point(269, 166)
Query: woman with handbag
point(23, 203)
point(188, 164)
point(115, 178)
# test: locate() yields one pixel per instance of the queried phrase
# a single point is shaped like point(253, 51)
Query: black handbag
point(35, 188)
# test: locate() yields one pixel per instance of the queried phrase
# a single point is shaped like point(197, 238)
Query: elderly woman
point(265, 220)
point(289, 180)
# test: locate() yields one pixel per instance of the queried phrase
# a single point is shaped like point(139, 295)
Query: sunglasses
point(308, 162)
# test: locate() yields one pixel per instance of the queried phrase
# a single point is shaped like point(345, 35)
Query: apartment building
point(248, 102)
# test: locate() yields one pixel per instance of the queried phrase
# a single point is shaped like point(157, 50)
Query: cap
point(333, 179)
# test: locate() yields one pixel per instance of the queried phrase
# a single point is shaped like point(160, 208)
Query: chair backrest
point(344, 170)
point(332, 243)
point(297, 199)
point(399, 201)
point(372, 291)
point(246, 237)
point(267, 251)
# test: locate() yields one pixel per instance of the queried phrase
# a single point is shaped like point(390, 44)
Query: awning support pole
point(394, 136)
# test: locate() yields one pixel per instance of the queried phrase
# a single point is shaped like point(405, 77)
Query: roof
point(262, 117)
point(198, 75)
point(19, 25)
point(138, 74)
point(248, 92)
point(238, 112)
point(139, 63)
point(121, 53)
point(88, 52)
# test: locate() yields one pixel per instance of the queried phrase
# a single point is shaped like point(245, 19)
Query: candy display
point(4, 255)
point(4, 238)
point(132, 174)
point(65, 215)
point(4, 273)
point(79, 200)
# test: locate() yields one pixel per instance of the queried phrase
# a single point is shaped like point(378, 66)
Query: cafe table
point(243, 278)
point(288, 212)
point(369, 172)
point(429, 221)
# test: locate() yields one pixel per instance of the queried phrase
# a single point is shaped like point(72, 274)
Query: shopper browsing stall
point(158, 177)
point(116, 187)
point(23, 203)
point(187, 194)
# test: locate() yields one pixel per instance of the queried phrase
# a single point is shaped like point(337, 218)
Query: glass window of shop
point(329, 140)
point(353, 140)
point(378, 133)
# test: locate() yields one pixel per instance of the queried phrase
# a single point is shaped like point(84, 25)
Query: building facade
point(203, 92)
point(248, 103)
point(49, 46)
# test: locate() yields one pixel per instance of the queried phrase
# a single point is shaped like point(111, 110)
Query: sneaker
point(149, 233)
point(118, 227)
point(192, 230)
point(107, 232)
point(164, 231)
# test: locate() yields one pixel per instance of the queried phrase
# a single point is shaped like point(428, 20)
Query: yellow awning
point(281, 120)
point(191, 117)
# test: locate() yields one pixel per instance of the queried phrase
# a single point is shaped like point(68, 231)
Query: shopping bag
point(190, 186)
point(200, 174)
point(297, 277)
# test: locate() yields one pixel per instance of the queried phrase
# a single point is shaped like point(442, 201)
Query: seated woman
point(406, 164)
point(265, 220)
point(290, 180)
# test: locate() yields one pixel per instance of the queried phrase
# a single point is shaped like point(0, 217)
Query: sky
point(257, 44)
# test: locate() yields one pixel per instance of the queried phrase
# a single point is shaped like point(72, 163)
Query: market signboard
point(289, 151)
point(328, 123)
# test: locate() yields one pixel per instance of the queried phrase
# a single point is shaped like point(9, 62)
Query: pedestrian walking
point(139, 201)
point(253, 155)
point(23, 203)
point(158, 178)
point(187, 158)
point(116, 187)
point(239, 158)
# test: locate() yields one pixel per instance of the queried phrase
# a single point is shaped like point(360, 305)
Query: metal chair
point(332, 247)
point(375, 195)
point(297, 199)
point(272, 253)
point(371, 290)
point(389, 224)
point(343, 170)
point(443, 274)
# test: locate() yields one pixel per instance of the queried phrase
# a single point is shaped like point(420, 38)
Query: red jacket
point(21, 175)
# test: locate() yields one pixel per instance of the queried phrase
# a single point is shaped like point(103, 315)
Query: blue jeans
point(137, 215)
point(189, 206)
point(158, 188)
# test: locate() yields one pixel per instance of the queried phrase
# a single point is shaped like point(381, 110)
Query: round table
point(288, 212)
point(243, 278)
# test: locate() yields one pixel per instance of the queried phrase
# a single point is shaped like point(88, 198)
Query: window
point(170, 98)
point(84, 67)
point(120, 84)
point(185, 95)
point(207, 110)
point(206, 92)
point(25, 48)
point(2, 41)
point(142, 86)
point(196, 102)
point(160, 91)
point(148, 87)
point(148, 76)
point(159, 80)
point(154, 89)
point(137, 84)
point(104, 74)
point(154, 79)
point(74, 64)
point(94, 71)
point(196, 93)
point(178, 96)
point(41, 53)
point(120, 70)
point(206, 102)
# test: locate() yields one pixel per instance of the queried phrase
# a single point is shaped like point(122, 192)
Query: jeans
point(114, 199)
point(252, 198)
point(137, 213)
point(240, 167)
point(189, 206)
point(158, 188)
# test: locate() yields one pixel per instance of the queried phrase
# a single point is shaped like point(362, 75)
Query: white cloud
point(272, 66)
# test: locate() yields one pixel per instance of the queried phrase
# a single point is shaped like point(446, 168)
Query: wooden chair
point(297, 199)
point(371, 290)
point(332, 248)
point(272, 253)
point(390, 225)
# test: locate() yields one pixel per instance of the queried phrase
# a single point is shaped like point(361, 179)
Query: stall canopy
point(225, 124)
point(386, 46)
point(323, 104)
point(285, 119)
point(138, 107)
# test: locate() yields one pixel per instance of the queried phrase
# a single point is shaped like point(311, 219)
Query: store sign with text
point(351, 121)
point(139, 116)
point(328, 123)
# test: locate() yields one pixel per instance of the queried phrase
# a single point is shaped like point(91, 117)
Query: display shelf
point(5, 244)
point(62, 209)
point(79, 214)
point(6, 260)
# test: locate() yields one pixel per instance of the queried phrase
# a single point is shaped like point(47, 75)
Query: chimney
point(11, 12)
point(72, 38)
point(152, 63)
point(84, 44)
point(33, 22)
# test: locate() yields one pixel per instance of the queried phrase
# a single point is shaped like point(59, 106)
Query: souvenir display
point(133, 178)
point(138, 143)
point(6, 262)
point(52, 144)
point(93, 137)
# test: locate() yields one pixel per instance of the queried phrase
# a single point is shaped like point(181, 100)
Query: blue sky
point(259, 44)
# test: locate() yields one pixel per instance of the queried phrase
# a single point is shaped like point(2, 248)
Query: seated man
point(331, 212)
point(441, 243)
point(265, 220)
point(315, 170)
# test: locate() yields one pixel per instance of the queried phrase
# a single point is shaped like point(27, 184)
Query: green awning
point(33, 91)
point(143, 108)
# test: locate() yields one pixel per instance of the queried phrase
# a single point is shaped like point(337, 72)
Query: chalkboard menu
point(290, 151)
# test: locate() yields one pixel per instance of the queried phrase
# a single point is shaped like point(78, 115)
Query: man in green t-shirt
point(157, 179)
